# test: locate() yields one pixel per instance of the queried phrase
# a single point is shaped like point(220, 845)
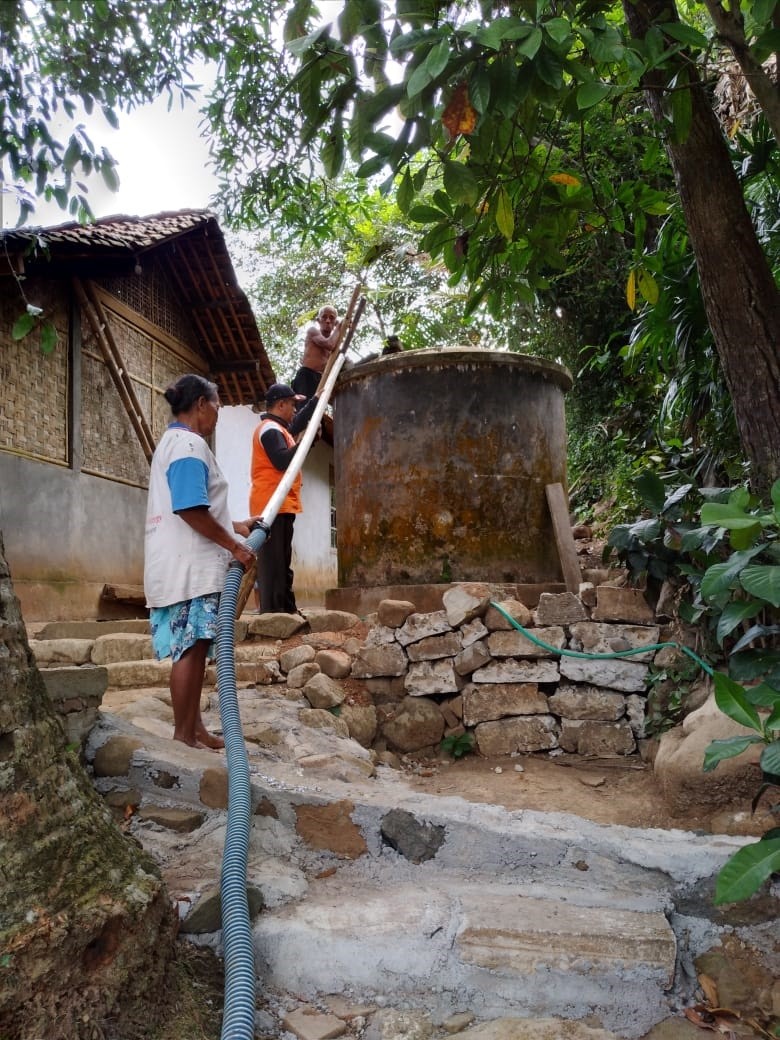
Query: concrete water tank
point(442, 458)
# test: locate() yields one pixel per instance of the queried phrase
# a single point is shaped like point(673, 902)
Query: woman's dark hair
point(184, 393)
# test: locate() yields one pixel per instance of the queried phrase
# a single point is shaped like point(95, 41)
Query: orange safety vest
point(266, 477)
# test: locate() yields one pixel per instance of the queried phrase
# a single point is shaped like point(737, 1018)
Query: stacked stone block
point(467, 668)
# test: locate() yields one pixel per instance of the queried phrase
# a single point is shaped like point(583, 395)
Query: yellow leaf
point(648, 286)
point(505, 216)
point(709, 989)
point(565, 178)
point(459, 116)
point(631, 291)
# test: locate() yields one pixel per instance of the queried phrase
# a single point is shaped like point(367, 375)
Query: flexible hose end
point(261, 525)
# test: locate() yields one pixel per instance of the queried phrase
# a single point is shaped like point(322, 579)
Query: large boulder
point(679, 764)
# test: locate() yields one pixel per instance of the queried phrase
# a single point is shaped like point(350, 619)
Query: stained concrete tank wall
point(442, 457)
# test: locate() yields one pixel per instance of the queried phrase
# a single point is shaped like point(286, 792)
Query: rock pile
point(465, 671)
point(468, 669)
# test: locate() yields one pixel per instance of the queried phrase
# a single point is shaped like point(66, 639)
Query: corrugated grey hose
point(238, 1020)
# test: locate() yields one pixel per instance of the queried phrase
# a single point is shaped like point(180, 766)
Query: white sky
point(163, 165)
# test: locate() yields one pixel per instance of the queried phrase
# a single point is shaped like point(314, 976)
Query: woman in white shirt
point(190, 540)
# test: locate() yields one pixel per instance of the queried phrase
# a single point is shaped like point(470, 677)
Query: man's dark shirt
point(274, 443)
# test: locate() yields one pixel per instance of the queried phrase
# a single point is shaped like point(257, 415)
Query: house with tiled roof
point(134, 302)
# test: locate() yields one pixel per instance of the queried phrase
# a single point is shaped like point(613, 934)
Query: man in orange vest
point(273, 446)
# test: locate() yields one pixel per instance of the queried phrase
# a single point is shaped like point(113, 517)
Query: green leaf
point(531, 44)
point(549, 68)
point(732, 701)
point(651, 490)
point(592, 93)
point(423, 214)
point(604, 45)
point(770, 756)
point(438, 57)
point(762, 581)
point(501, 29)
point(479, 90)
point(763, 10)
point(766, 44)
point(48, 337)
point(733, 614)
point(72, 154)
point(349, 20)
point(332, 153)
point(753, 633)
point(558, 29)
point(746, 871)
point(682, 107)
point(676, 496)
point(426, 72)
point(763, 695)
point(721, 577)
point(686, 34)
point(301, 44)
point(505, 216)
point(405, 193)
point(110, 176)
point(22, 326)
point(754, 664)
point(730, 747)
point(647, 531)
point(370, 166)
point(460, 183)
point(724, 514)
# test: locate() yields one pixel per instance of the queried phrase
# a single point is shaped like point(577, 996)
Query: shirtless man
point(319, 345)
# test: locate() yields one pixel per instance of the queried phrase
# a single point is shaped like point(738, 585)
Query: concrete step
point(495, 948)
point(511, 913)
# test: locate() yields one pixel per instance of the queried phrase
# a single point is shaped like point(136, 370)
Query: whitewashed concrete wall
point(314, 561)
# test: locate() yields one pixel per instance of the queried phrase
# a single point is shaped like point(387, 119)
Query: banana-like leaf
point(746, 871)
point(721, 576)
point(732, 701)
point(729, 747)
point(733, 614)
point(754, 632)
point(762, 581)
point(724, 514)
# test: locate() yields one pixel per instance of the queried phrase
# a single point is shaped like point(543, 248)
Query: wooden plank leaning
point(564, 539)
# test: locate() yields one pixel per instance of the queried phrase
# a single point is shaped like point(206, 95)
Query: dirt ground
point(610, 791)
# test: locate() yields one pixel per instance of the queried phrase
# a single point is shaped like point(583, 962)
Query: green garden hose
point(602, 657)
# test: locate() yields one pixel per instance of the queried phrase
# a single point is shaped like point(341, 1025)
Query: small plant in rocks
point(458, 744)
point(748, 868)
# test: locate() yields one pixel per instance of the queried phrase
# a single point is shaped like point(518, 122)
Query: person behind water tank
point(320, 342)
point(190, 541)
point(273, 447)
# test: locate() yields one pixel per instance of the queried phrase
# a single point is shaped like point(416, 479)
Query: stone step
point(447, 944)
point(90, 629)
point(373, 889)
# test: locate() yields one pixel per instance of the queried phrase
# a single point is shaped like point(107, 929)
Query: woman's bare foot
point(204, 740)
point(210, 740)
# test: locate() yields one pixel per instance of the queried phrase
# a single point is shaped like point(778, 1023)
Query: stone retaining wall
point(466, 668)
point(418, 678)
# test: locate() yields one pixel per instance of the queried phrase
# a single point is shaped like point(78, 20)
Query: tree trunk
point(86, 926)
point(740, 297)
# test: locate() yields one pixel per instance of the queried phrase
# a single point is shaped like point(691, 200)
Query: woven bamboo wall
point(109, 443)
point(150, 294)
point(34, 399)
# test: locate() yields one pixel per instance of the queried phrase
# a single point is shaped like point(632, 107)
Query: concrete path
point(373, 890)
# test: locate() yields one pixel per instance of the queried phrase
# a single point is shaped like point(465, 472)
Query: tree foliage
point(61, 62)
